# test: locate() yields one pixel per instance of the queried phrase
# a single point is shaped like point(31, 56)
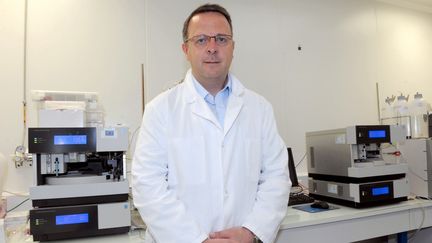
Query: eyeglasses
point(203, 40)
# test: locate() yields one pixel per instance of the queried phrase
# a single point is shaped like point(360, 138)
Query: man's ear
point(185, 48)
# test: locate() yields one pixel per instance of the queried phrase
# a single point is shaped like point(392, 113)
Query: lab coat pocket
point(186, 158)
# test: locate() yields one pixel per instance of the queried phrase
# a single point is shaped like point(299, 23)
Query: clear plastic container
point(94, 114)
point(387, 114)
point(94, 118)
point(419, 110)
point(387, 109)
point(401, 112)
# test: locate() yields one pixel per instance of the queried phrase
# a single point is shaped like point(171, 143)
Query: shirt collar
point(203, 92)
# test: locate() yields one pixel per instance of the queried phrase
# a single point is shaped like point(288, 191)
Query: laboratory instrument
point(346, 165)
point(80, 185)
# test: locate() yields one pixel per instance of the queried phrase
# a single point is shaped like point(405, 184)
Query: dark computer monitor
point(292, 169)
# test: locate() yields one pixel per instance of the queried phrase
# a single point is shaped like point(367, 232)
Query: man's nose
point(212, 46)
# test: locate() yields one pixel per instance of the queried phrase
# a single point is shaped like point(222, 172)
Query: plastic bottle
point(419, 109)
point(94, 114)
point(401, 111)
point(387, 113)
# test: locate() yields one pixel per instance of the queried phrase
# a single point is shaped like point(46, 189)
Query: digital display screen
point(380, 191)
point(70, 139)
point(72, 219)
point(377, 134)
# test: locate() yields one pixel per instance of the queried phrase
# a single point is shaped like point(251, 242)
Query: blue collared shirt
point(216, 103)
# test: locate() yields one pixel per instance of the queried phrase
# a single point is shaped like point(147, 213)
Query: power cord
point(21, 203)
point(132, 138)
point(422, 221)
point(301, 160)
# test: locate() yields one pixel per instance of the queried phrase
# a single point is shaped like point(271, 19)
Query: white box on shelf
point(62, 118)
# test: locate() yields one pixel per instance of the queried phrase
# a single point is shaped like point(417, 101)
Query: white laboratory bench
point(339, 225)
point(348, 224)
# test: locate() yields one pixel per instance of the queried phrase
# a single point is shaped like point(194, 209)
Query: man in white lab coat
point(209, 164)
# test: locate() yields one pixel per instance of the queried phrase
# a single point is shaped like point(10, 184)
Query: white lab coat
point(191, 176)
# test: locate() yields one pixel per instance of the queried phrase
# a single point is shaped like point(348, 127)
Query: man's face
point(210, 63)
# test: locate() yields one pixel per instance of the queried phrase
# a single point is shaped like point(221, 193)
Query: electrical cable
point(131, 140)
point(133, 135)
point(21, 203)
point(421, 224)
point(301, 160)
point(416, 175)
point(412, 172)
point(299, 190)
point(304, 188)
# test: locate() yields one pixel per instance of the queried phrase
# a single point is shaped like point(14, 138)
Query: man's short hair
point(205, 9)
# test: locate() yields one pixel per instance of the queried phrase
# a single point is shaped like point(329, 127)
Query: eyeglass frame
point(208, 38)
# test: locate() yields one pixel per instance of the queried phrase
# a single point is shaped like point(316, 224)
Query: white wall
point(73, 45)
point(99, 45)
point(11, 87)
point(405, 51)
point(347, 47)
point(79, 45)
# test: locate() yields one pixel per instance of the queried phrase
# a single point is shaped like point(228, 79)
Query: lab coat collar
point(192, 94)
point(200, 108)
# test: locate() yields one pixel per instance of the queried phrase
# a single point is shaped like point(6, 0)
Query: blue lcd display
point(378, 191)
point(70, 139)
point(377, 134)
point(72, 219)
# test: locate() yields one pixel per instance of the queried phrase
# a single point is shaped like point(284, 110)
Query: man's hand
point(220, 241)
point(237, 234)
